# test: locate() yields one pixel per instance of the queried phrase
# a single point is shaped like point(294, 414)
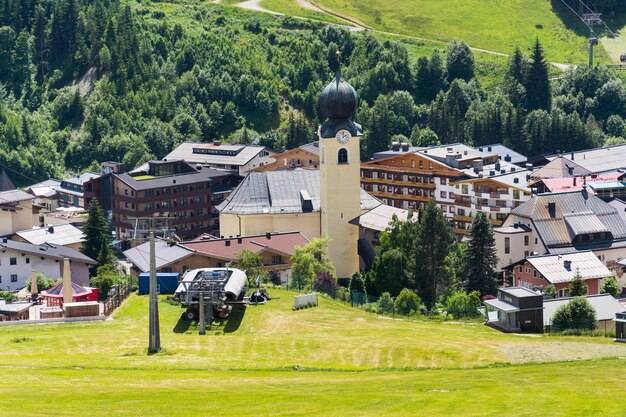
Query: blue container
point(166, 282)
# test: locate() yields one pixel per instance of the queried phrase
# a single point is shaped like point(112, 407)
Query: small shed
point(15, 311)
point(519, 309)
point(82, 309)
point(166, 282)
point(620, 326)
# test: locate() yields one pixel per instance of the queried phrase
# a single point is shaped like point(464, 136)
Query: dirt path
point(255, 5)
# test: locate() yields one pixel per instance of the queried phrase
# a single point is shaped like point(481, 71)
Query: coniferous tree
point(459, 61)
point(537, 82)
point(95, 232)
point(577, 286)
point(481, 259)
point(432, 246)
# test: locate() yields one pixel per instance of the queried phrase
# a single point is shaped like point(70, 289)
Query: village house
point(71, 191)
point(305, 156)
point(18, 260)
point(561, 223)
point(61, 235)
point(536, 272)
point(209, 252)
point(17, 211)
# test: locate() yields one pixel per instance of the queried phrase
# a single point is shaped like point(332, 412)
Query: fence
point(358, 298)
point(118, 294)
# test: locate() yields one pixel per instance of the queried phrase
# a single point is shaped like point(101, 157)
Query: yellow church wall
point(306, 223)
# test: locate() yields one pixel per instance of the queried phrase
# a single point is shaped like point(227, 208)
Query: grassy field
point(517, 22)
point(270, 360)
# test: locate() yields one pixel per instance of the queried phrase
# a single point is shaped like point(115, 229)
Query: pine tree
point(537, 84)
point(481, 259)
point(459, 61)
point(577, 286)
point(95, 232)
point(432, 246)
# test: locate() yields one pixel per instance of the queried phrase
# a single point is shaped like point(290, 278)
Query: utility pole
point(155, 332)
point(149, 225)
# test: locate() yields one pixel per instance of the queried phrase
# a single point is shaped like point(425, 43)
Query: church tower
point(340, 167)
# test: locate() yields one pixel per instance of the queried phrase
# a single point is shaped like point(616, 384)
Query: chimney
point(405, 146)
point(498, 166)
point(216, 143)
point(239, 240)
point(567, 265)
point(516, 179)
point(570, 169)
point(512, 169)
point(552, 210)
point(507, 158)
point(574, 181)
point(227, 243)
point(33, 283)
point(51, 229)
point(492, 173)
point(488, 148)
point(395, 146)
point(572, 158)
point(268, 235)
point(67, 281)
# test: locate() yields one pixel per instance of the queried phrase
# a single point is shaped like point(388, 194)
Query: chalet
point(62, 235)
point(275, 249)
point(71, 191)
point(17, 211)
point(305, 156)
point(561, 223)
point(559, 270)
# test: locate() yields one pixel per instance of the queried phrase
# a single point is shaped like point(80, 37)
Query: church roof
point(281, 192)
point(5, 182)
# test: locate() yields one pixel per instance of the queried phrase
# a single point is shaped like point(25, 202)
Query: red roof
point(281, 243)
point(562, 185)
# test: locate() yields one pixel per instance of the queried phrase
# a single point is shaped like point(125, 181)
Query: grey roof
point(499, 169)
point(514, 228)
point(12, 197)
point(193, 177)
point(555, 231)
point(560, 168)
point(46, 249)
point(501, 305)
point(45, 188)
point(553, 267)
point(599, 159)
point(379, 217)
point(503, 153)
point(165, 254)
point(82, 178)
point(64, 234)
point(233, 154)
point(620, 206)
point(584, 222)
point(465, 152)
point(390, 153)
point(12, 308)
point(604, 304)
point(312, 147)
point(276, 192)
point(519, 292)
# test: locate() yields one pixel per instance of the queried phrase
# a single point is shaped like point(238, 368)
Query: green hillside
point(495, 25)
point(331, 360)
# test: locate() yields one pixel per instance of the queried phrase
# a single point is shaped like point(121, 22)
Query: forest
point(83, 81)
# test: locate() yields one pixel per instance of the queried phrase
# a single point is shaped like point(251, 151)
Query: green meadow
point(330, 360)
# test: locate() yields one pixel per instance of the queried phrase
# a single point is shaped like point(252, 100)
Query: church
point(315, 202)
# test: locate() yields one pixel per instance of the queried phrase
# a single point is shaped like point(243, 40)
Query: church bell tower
point(340, 167)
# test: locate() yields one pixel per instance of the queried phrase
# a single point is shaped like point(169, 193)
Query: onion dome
point(338, 99)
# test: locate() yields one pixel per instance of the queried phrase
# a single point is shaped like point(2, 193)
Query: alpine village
point(312, 207)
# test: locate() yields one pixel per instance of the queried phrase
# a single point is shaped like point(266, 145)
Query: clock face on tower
point(343, 136)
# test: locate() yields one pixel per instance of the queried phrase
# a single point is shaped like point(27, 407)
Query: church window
point(342, 156)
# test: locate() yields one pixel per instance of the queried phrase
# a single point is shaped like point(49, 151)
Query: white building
point(238, 159)
point(19, 260)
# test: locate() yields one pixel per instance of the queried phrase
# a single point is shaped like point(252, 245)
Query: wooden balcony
point(460, 218)
point(408, 197)
point(398, 183)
